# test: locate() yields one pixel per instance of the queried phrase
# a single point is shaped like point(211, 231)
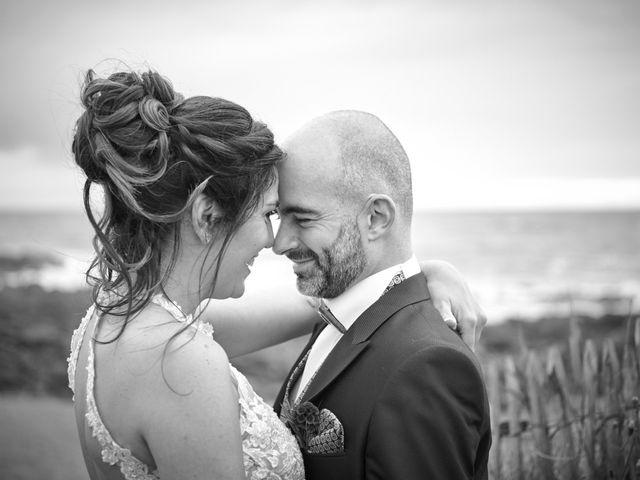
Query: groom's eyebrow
point(295, 209)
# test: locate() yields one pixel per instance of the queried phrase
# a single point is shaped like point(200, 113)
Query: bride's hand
point(452, 298)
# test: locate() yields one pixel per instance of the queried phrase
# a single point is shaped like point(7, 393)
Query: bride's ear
point(204, 213)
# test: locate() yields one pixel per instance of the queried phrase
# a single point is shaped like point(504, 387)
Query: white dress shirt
point(347, 307)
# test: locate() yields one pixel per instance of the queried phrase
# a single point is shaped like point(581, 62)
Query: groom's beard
point(338, 266)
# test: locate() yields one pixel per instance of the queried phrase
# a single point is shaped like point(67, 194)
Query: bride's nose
point(269, 238)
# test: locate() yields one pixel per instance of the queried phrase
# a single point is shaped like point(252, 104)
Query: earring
point(207, 237)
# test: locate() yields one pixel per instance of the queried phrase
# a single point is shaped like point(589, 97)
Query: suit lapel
point(410, 291)
point(340, 357)
point(356, 340)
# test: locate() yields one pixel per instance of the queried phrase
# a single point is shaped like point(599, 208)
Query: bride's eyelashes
point(273, 213)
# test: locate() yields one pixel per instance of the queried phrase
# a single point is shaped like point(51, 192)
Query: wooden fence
point(571, 412)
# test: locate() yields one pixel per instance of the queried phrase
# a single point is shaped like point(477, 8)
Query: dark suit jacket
point(408, 392)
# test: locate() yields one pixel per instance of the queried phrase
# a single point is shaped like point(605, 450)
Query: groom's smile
point(304, 262)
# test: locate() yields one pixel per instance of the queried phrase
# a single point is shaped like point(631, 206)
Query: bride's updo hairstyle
point(152, 152)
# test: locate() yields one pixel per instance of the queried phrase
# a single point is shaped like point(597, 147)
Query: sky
point(500, 105)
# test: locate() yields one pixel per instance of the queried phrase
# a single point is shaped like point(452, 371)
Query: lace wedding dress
point(269, 449)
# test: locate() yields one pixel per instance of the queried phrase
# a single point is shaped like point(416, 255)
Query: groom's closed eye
point(300, 215)
point(302, 221)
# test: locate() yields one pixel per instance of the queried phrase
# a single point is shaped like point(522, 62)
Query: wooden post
point(492, 374)
point(590, 378)
point(511, 452)
point(630, 363)
point(561, 416)
point(543, 462)
point(611, 430)
point(575, 354)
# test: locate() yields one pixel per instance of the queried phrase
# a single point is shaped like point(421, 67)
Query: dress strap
point(76, 342)
point(176, 312)
point(173, 308)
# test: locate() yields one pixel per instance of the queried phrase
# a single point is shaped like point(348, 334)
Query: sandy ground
point(39, 439)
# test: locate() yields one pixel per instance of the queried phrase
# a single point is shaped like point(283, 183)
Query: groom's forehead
point(309, 173)
point(310, 152)
point(304, 188)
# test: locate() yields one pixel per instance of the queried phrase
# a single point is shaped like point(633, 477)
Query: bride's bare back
point(115, 418)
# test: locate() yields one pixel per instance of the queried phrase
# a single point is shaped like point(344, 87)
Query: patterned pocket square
point(330, 437)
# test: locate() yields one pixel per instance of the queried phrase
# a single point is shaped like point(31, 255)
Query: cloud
point(482, 89)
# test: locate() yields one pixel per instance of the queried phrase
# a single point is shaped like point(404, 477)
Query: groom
point(385, 390)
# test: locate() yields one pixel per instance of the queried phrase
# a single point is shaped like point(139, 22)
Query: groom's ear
point(204, 214)
point(379, 214)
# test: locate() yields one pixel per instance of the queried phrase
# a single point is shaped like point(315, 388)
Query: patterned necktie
point(396, 280)
point(329, 318)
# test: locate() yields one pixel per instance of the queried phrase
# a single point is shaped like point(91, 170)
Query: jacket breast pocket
point(330, 437)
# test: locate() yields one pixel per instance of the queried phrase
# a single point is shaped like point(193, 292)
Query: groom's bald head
point(367, 158)
point(345, 202)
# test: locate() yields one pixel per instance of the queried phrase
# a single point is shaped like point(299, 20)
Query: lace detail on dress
point(270, 451)
point(76, 340)
point(112, 452)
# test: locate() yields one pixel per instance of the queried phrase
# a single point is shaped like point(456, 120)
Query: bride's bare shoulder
point(158, 369)
point(156, 351)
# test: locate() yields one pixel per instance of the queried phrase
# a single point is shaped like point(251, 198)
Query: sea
point(523, 265)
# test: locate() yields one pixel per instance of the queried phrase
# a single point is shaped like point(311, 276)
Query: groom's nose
point(286, 238)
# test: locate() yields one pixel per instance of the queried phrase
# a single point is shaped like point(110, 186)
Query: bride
point(189, 187)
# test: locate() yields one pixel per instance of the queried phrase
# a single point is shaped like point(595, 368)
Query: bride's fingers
point(468, 334)
point(468, 324)
point(451, 321)
point(444, 309)
point(469, 327)
point(482, 321)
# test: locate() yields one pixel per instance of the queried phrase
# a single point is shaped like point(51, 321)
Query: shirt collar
point(352, 303)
